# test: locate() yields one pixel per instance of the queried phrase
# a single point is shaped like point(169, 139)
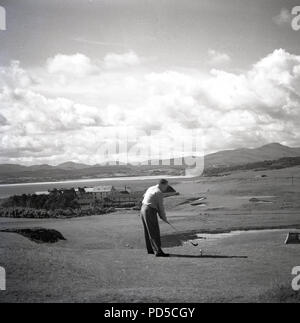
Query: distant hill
point(72, 166)
point(11, 168)
point(15, 168)
point(10, 173)
point(39, 167)
point(13, 173)
point(241, 156)
point(256, 166)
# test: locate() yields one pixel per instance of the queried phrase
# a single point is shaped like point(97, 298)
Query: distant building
point(101, 192)
point(126, 198)
point(71, 193)
point(126, 190)
point(103, 195)
point(86, 202)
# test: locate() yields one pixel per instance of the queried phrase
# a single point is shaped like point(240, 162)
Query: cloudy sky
point(73, 74)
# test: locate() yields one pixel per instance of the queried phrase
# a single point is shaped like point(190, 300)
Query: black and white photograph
point(150, 154)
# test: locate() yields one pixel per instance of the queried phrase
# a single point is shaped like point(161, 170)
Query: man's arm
point(161, 208)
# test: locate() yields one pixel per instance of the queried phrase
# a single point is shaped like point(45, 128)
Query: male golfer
point(151, 206)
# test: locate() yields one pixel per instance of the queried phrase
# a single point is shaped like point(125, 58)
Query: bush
point(53, 201)
point(21, 212)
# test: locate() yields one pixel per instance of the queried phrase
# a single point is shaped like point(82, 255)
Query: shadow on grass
point(38, 235)
point(207, 256)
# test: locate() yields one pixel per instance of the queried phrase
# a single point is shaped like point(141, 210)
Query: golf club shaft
point(172, 226)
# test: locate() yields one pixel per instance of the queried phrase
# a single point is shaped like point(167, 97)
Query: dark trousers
point(151, 229)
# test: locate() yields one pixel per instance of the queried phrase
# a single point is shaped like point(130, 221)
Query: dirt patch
point(179, 238)
point(188, 201)
point(256, 200)
point(38, 235)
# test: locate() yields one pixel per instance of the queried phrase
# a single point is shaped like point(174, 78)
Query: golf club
point(195, 244)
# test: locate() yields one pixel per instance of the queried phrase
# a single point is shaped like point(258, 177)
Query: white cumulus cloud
point(42, 121)
point(77, 64)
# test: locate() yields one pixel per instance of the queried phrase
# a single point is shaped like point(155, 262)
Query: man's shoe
point(162, 254)
point(150, 252)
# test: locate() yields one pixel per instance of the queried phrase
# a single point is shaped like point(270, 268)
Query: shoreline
point(102, 179)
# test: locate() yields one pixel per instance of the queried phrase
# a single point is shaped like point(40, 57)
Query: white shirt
point(154, 198)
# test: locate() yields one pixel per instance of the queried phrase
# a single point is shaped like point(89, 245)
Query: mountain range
point(241, 156)
point(12, 173)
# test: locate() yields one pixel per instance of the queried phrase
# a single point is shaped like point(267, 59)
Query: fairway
point(104, 257)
